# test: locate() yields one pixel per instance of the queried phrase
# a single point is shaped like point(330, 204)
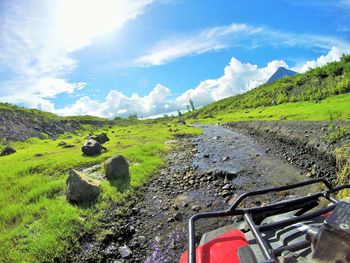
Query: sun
point(79, 21)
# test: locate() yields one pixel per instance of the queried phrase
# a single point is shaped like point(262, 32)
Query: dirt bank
point(301, 143)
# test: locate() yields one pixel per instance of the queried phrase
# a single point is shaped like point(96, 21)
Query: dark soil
point(205, 173)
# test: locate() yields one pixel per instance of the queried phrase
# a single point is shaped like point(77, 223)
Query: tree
point(192, 105)
point(179, 112)
point(188, 108)
point(133, 116)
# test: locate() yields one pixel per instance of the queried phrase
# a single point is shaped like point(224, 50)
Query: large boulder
point(116, 167)
point(100, 138)
point(7, 150)
point(82, 188)
point(92, 147)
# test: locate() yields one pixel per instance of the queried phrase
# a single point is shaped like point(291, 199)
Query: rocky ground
point(18, 125)
point(205, 173)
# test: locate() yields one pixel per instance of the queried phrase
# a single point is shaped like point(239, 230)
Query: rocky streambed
point(203, 173)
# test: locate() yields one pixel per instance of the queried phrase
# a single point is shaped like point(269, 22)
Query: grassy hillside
point(331, 108)
point(285, 94)
point(48, 115)
point(37, 223)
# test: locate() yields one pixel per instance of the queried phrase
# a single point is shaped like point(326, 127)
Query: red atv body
point(295, 230)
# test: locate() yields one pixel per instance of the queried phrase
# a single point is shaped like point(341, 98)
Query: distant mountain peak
point(281, 72)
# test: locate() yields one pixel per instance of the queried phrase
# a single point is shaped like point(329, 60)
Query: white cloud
point(83, 106)
point(233, 35)
point(204, 41)
point(333, 55)
point(50, 87)
point(237, 78)
point(38, 38)
point(118, 104)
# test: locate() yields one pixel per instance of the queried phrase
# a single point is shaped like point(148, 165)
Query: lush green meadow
point(331, 108)
point(36, 221)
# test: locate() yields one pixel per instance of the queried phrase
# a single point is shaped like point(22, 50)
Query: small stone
point(172, 245)
point(178, 216)
point(124, 251)
point(68, 146)
point(225, 158)
point(209, 204)
point(110, 250)
point(224, 193)
point(206, 155)
point(141, 239)
point(62, 143)
point(308, 175)
point(226, 187)
point(196, 208)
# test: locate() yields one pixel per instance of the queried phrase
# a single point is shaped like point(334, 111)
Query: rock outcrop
point(7, 150)
point(100, 138)
point(19, 124)
point(81, 188)
point(92, 147)
point(116, 167)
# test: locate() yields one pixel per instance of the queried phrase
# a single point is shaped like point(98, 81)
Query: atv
point(312, 228)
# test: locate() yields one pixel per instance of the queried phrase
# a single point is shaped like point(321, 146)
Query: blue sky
point(117, 57)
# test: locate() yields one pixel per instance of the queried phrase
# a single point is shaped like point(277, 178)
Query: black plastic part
point(246, 255)
point(340, 218)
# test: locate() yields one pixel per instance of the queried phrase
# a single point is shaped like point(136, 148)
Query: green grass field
point(331, 108)
point(36, 221)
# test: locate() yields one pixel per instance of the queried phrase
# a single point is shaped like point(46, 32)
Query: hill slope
point(281, 72)
point(17, 123)
point(312, 86)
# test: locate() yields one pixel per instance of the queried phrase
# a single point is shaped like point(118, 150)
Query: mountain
point(281, 72)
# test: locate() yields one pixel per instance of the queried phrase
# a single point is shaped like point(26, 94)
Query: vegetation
point(335, 107)
point(36, 221)
point(336, 133)
point(44, 116)
point(192, 105)
point(313, 87)
point(343, 164)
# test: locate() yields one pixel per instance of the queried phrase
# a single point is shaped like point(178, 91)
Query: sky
point(114, 58)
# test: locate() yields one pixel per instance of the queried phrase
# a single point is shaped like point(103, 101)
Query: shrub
point(343, 165)
point(336, 133)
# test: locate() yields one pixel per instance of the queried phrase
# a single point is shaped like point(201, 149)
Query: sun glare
point(79, 21)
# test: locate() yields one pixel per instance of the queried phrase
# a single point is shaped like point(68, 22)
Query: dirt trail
point(202, 173)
